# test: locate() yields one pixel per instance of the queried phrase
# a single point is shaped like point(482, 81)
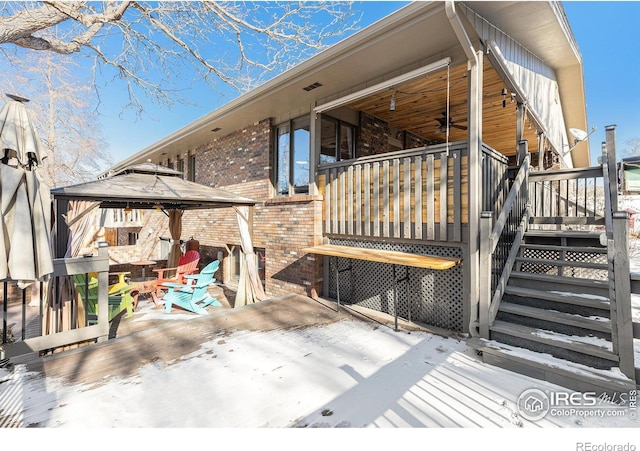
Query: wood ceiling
point(421, 103)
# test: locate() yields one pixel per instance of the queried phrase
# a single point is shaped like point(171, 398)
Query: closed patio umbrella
point(25, 202)
point(175, 229)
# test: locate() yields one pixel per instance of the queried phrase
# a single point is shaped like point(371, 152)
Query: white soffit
point(395, 81)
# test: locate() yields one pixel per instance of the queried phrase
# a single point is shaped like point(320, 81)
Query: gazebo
point(149, 186)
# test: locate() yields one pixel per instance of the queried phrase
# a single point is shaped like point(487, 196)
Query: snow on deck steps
point(592, 301)
point(551, 369)
point(592, 346)
point(592, 323)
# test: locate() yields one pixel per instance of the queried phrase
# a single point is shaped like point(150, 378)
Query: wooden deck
point(164, 342)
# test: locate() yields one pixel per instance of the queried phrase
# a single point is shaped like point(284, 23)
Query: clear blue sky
point(608, 35)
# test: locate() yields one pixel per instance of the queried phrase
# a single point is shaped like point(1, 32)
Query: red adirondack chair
point(187, 264)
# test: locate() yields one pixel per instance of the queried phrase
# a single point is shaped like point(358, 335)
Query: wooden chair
point(187, 265)
point(193, 296)
point(119, 297)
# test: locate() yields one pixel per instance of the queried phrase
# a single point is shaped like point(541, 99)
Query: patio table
point(144, 285)
point(144, 264)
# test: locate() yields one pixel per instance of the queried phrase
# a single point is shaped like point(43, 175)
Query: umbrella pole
point(4, 313)
point(24, 313)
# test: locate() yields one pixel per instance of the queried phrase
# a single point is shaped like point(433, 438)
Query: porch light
point(127, 208)
point(392, 107)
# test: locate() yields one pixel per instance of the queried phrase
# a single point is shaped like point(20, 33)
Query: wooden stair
point(554, 319)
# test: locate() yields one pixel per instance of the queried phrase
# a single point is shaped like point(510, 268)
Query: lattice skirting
point(430, 297)
point(566, 270)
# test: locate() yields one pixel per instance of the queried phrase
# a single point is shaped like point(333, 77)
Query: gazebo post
point(62, 230)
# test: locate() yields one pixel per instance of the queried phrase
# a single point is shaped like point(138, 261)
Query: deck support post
point(610, 146)
point(486, 226)
point(622, 288)
point(523, 151)
point(475, 184)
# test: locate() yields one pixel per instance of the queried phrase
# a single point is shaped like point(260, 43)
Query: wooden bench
point(393, 258)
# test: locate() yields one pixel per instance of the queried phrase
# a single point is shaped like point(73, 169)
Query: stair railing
point(499, 246)
point(617, 228)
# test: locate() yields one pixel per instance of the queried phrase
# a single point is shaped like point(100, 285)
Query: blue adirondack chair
point(193, 297)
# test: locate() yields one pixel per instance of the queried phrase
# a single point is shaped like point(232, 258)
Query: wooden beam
point(382, 256)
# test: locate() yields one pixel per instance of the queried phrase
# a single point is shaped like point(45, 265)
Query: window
point(192, 168)
point(338, 141)
point(292, 157)
point(181, 166)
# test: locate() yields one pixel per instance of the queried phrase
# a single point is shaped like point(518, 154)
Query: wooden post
point(475, 178)
point(613, 167)
point(314, 152)
point(523, 150)
point(519, 130)
point(541, 152)
point(103, 295)
point(622, 284)
point(485, 273)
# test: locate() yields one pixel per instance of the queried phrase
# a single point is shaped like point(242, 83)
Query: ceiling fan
point(442, 128)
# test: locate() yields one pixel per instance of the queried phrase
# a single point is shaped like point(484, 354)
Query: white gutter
point(475, 136)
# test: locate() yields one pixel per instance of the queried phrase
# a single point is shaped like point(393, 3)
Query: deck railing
point(495, 180)
point(573, 197)
point(56, 321)
point(499, 244)
point(416, 194)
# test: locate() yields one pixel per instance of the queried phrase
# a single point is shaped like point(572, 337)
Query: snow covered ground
point(348, 374)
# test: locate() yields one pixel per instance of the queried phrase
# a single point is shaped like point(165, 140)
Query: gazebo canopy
point(150, 186)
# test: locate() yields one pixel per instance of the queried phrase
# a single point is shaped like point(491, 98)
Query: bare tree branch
point(151, 46)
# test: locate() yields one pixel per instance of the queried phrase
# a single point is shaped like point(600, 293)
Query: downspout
point(475, 148)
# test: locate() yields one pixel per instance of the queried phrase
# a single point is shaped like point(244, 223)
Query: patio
point(146, 315)
point(61, 318)
point(286, 362)
point(150, 335)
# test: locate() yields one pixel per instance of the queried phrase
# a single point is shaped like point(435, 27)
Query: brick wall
point(241, 163)
point(375, 134)
point(154, 225)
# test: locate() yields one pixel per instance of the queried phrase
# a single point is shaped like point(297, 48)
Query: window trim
point(338, 137)
point(191, 167)
point(292, 189)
